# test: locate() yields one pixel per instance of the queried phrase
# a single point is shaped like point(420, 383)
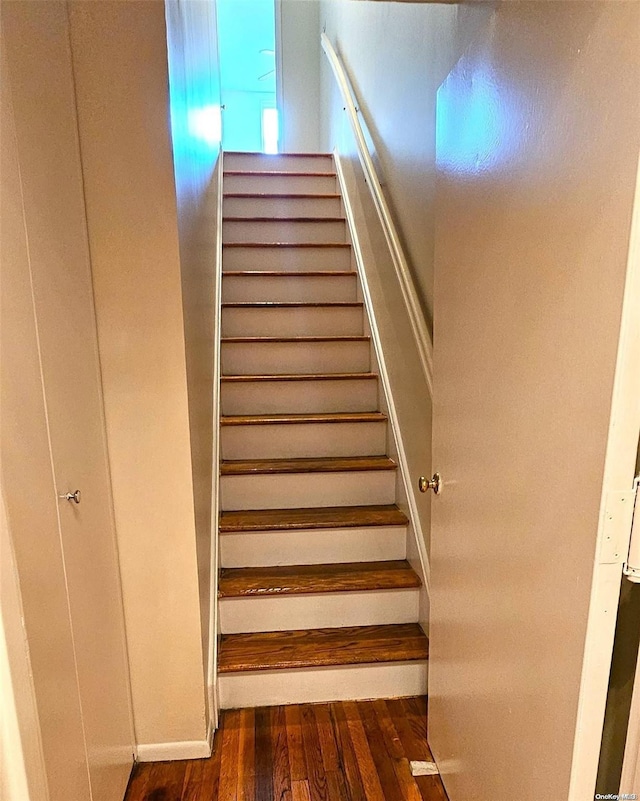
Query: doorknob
point(434, 483)
point(71, 496)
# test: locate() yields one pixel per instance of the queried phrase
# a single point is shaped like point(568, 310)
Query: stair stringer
point(405, 493)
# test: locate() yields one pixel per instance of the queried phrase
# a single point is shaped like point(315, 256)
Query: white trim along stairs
point(317, 601)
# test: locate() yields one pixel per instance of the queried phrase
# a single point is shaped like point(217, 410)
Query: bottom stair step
point(353, 645)
point(319, 665)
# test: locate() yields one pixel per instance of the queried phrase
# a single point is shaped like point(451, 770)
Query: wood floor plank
point(300, 791)
point(384, 765)
point(315, 518)
point(417, 719)
point(318, 790)
point(350, 645)
point(327, 738)
point(368, 771)
point(193, 778)
point(391, 738)
point(339, 464)
point(140, 781)
point(236, 582)
point(229, 757)
point(431, 788)
point(297, 759)
point(168, 780)
point(246, 756)
point(210, 780)
point(415, 745)
point(397, 758)
point(264, 756)
point(346, 753)
point(281, 765)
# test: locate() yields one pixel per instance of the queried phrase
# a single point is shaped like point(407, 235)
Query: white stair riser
point(318, 685)
point(308, 490)
point(312, 547)
point(316, 611)
point(296, 441)
point(277, 358)
point(293, 322)
point(280, 163)
point(283, 231)
point(295, 259)
point(282, 207)
point(298, 397)
point(289, 288)
point(281, 184)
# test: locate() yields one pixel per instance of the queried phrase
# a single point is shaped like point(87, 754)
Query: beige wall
point(298, 74)
point(29, 491)
point(120, 64)
point(22, 772)
point(195, 91)
point(396, 56)
point(536, 180)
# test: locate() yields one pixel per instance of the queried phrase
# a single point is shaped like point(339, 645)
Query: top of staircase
point(277, 155)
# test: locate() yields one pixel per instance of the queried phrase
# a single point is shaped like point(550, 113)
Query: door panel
point(44, 104)
point(533, 207)
point(29, 492)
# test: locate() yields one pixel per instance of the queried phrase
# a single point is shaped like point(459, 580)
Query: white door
point(537, 158)
point(36, 43)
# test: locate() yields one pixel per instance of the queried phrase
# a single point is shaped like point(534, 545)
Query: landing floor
point(348, 751)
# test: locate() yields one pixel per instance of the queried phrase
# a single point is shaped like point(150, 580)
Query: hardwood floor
point(346, 751)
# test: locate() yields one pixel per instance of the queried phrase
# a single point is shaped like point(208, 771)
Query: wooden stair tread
point(292, 419)
point(345, 338)
point(307, 648)
point(254, 582)
point(262, 218)
point(331, 464)
point(307, 519)
point(286, 245)
point(299, 377)
point(294, 304)
point(279, 173)
point(270, 195)
point(287, 273)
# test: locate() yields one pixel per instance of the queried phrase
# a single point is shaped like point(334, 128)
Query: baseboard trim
point(166, 752)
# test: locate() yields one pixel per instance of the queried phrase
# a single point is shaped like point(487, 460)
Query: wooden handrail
point(409, 293)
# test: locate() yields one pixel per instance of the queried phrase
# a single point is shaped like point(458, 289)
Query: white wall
point(298, 74)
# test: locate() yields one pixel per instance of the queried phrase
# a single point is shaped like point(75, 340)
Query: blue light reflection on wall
point(478, 123)
point(205, 124)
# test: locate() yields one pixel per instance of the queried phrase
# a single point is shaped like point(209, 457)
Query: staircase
point(317, 601)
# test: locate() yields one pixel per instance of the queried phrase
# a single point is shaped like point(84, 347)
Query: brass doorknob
point(434, 483)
